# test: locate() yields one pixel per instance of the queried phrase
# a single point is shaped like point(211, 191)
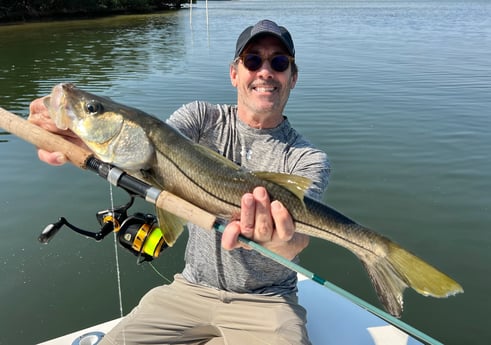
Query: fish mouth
point(59, 108)
point(57, 96)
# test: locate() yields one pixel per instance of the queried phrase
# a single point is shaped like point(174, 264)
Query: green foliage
point(29, 9)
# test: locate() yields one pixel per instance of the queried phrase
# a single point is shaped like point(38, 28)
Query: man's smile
point(264, 88)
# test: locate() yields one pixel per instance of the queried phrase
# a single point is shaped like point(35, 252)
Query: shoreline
point(33, 15)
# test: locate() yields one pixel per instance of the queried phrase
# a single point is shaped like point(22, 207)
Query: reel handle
point(51, 230)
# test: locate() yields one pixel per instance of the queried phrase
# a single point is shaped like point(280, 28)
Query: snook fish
point(135, 141)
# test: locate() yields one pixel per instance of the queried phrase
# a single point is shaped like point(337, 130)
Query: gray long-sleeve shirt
point(281, 149)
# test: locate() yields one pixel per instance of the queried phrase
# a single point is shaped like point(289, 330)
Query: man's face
point(262, 93)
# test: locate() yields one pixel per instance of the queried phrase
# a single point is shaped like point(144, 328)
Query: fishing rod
point(186, 210)
point(86, 160)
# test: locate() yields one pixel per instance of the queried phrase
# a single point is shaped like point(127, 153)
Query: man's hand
point(267, 223)
point(38, 114)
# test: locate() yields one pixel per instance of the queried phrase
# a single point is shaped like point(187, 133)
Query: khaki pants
point(184, 313)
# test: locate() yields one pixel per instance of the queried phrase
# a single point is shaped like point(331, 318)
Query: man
point(235, 296)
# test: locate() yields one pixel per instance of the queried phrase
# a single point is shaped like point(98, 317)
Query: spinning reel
point(138, 233)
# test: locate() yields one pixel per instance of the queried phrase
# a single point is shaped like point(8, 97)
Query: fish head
point(105, 126)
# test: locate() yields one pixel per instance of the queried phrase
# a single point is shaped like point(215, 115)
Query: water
point(397, 92)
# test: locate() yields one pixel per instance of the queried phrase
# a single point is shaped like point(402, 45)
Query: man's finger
point(263, 225)
point(284, 226)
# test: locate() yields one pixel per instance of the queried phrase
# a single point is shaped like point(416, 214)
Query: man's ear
point(294, 80)
point(233, 74)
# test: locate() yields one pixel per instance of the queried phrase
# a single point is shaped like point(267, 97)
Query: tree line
point(25, 10)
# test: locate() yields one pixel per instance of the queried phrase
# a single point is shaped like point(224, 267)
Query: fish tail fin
point(399, 269)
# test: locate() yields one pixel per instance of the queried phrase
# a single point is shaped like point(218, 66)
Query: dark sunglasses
point(279, 63)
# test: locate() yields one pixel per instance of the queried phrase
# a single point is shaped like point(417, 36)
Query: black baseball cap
point(264, 27)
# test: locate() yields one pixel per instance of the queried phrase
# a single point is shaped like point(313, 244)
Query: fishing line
point(159, 274)
point(118, 272)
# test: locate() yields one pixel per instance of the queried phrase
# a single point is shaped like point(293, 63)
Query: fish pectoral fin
point(298, 185)
point(171, 225)
point(147, 175)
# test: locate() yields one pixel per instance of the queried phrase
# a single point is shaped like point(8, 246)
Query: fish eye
point(93, 107)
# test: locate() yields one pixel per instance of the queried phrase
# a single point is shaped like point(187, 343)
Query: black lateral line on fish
point(342, 238)
point(191, 180)
point(217, 197)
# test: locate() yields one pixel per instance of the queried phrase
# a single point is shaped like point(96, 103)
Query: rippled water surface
point(397, 93)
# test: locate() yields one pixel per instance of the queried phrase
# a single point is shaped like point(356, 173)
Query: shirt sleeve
point(188, 119)
point(314, 165)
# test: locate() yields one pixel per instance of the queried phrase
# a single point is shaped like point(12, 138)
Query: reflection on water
point(87, 53)
point(396, 92)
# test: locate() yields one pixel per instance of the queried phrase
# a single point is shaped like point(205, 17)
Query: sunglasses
point(278, 63)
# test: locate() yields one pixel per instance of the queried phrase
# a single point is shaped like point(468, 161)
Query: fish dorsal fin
point(298, 185)
point(218, 157)
point(171, 225)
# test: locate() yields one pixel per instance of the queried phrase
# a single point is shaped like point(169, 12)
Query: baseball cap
point(264, 27)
